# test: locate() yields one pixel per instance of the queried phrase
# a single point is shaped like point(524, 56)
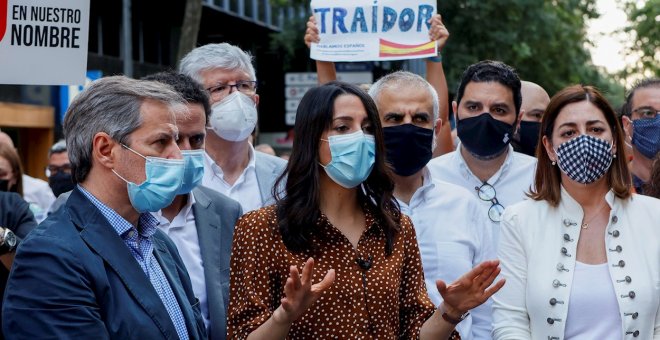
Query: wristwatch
point(8, 242)
point(450, 319)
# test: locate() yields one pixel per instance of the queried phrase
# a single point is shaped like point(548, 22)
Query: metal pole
point(127, 50)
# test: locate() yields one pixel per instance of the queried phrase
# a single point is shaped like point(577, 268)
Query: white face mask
point(235, 117)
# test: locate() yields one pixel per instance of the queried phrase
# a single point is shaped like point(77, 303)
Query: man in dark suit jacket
point(99, 268)
point(200, 221)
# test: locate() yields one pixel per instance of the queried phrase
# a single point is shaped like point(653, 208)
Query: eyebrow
point(421, 114)
point(589, 122)
point(501, 104)
point(645, 107)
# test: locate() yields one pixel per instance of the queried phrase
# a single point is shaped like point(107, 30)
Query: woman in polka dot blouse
point(335, 258)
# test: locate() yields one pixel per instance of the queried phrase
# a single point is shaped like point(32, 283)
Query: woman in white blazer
point(581, 258)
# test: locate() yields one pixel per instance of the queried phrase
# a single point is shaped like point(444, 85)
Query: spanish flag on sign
point(392, 49)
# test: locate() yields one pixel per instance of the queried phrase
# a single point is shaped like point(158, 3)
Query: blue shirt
point(139, 243)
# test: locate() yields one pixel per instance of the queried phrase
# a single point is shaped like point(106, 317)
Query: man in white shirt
point(452, 234)
point(232, 165)
point(200, 222)
point(487, 105)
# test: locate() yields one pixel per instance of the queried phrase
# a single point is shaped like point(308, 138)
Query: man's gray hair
point(111, 105)
point(58, 147)
point(401, 79)
point(216, 56)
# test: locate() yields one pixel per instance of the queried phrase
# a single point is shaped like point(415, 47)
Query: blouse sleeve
point(510, 318)
point(251, 286)
point(416, 307)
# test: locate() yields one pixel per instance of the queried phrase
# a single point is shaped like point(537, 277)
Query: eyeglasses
point(247, 87)
point(486, 192)
point(53, 169)
point(646, 112)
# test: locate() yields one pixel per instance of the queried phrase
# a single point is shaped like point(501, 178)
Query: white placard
point(43, 42)
point(360, 30)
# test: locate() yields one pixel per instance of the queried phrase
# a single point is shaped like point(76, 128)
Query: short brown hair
point(548, 178)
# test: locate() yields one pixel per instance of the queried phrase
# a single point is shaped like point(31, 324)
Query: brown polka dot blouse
point(392, 305)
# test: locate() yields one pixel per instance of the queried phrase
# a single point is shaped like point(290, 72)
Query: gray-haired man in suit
point(200, 222)
point(233, 167)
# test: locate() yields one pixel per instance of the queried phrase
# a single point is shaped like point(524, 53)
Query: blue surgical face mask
point(194, 169)
point(353, 157)
point(163, 181)
point(646, 136)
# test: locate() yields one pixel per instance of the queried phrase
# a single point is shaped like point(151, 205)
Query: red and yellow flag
point(392, 49)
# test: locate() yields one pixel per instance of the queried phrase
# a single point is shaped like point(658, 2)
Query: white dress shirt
point(511, 181)
point(38, 194)
point(453, 237)
point(183, 232)
point(246, 188)
point(537, 250)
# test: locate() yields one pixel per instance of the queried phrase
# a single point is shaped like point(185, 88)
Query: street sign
point(296, 84)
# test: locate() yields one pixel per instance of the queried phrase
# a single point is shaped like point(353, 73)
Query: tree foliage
point(646, 31)
point(545, 40)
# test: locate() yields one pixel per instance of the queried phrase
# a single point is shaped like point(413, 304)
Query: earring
point(614, 156)
point(554, 163)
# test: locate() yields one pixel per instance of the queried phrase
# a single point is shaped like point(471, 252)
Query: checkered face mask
point(584, 159)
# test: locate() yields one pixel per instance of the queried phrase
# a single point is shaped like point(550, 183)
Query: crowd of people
point(537, 217)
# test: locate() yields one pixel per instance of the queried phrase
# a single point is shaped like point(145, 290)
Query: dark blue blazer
point(74, 278)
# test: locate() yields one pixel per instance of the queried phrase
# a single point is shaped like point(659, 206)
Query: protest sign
point(43, 42)
point(361, 30)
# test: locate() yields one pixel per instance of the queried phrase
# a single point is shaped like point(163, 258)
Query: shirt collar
point(148, 224)
point(569, 204)
point(467, 173)
point(218, 171)
point(185, 210)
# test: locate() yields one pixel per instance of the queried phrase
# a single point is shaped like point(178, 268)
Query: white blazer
point(537, 249)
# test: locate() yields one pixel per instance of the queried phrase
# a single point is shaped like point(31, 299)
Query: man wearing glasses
point(641, 121)
point(487, 106)
point(58, 170)
point(232, 165)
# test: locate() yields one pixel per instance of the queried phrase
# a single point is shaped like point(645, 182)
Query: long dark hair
point(298, 212)
point(548, 177)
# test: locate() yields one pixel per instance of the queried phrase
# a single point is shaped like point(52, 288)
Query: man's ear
point(438, 125)
point(627, 126)
point(520, 116)
point(104, 151)
point(256, 100)
point(454, 109)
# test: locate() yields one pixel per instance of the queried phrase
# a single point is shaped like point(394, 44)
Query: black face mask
point(408, 147)
point(4, 185)
point(60, 183)
point(529, 136)
point(483, 135)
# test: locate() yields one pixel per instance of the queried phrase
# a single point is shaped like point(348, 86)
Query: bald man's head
point(534, 101)
point(5, 139)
